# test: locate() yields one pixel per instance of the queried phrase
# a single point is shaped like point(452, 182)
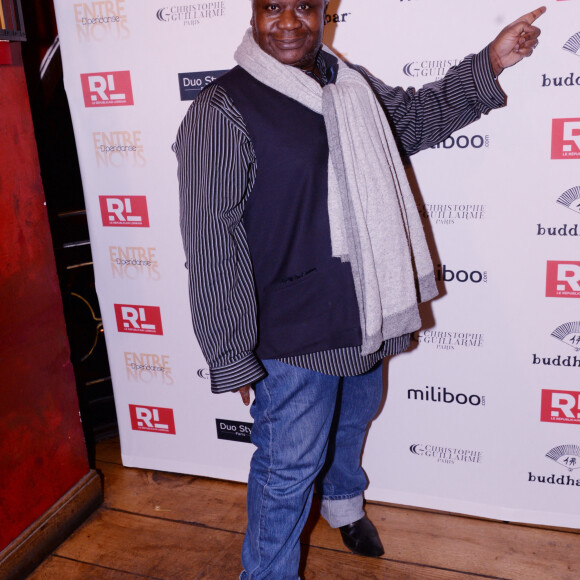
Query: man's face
point(289, 30)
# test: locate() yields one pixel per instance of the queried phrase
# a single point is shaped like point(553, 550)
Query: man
point(307, 257)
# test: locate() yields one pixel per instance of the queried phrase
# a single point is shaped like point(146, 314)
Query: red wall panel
point(42, 449)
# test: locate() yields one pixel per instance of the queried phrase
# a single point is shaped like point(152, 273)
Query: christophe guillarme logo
point(568, 458)
point(447, 455)
point(101, 20)
point(429, 70)
point(449, 340)
point(568, 334)
point(148, 368)
point(119, 149)
point(134, 263)
point(447, 214)
point(573, 44)
point(192, 14)
point(191, 84)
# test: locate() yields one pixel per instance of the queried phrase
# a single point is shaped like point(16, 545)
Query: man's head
point(289, 30)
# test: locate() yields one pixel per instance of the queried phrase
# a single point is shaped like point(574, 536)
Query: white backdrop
point(482, 415)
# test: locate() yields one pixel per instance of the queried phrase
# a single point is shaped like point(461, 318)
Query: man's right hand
point(245, 393)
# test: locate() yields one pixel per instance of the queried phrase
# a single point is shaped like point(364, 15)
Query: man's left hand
point(515, 42)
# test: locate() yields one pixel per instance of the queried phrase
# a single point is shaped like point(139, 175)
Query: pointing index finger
point(534, 15)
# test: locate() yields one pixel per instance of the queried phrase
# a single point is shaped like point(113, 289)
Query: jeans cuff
point(341, 512)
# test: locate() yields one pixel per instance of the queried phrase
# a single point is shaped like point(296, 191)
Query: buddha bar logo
point(573, 44)
point(567, 457)
point(571, 199)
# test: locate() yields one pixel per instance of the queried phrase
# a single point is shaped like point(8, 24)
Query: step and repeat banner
point(482, 415)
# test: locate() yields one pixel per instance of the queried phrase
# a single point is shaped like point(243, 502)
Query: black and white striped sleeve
point(216, 170)
point(422, 118)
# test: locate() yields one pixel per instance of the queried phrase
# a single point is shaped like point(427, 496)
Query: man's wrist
point(245, 371)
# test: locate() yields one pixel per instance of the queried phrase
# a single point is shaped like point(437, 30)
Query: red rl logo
point(563, 279)
point(154, 419)
point(126, 211)
point(566, 139)
point(107, 89)
point(140, 319)
point(560, 406)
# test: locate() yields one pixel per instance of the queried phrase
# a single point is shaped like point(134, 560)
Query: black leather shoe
point(361, 537)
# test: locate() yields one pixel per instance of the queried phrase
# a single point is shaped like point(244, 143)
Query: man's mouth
point(289, 43)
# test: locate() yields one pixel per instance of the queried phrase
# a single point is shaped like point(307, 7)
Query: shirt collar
point(327, 67)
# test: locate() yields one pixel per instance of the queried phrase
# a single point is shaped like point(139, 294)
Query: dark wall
point(42, 449)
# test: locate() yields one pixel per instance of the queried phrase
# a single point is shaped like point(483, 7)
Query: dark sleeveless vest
point(306, 298)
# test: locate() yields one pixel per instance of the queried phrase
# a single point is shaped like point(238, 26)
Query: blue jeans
point(306, 424)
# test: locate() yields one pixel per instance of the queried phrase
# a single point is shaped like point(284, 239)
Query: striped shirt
point(216, 171)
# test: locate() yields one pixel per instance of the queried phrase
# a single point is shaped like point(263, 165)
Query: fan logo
point(566, 139)
point(448, 455)
point(138, 319)
point(148, 368)
point(134, 263)
point(569, 334)
point(191, 84)
point(119, 149)
point(563, 279)
point(192, 14)
point(571, 199)
point(107, 89)
point(567, 457)
point(560, 407)
point(153, 419)
point(233, 430)
point(101, 20)
point(128, 211)
point(573, 44)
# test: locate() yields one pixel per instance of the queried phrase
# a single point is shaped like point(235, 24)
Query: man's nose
point(288, 20)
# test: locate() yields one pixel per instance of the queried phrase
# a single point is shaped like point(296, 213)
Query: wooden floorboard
point(167, 526)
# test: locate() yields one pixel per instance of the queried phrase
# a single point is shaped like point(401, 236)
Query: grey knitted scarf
point(374, 222)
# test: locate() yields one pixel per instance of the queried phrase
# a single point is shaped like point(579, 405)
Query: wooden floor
point(160, 525)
